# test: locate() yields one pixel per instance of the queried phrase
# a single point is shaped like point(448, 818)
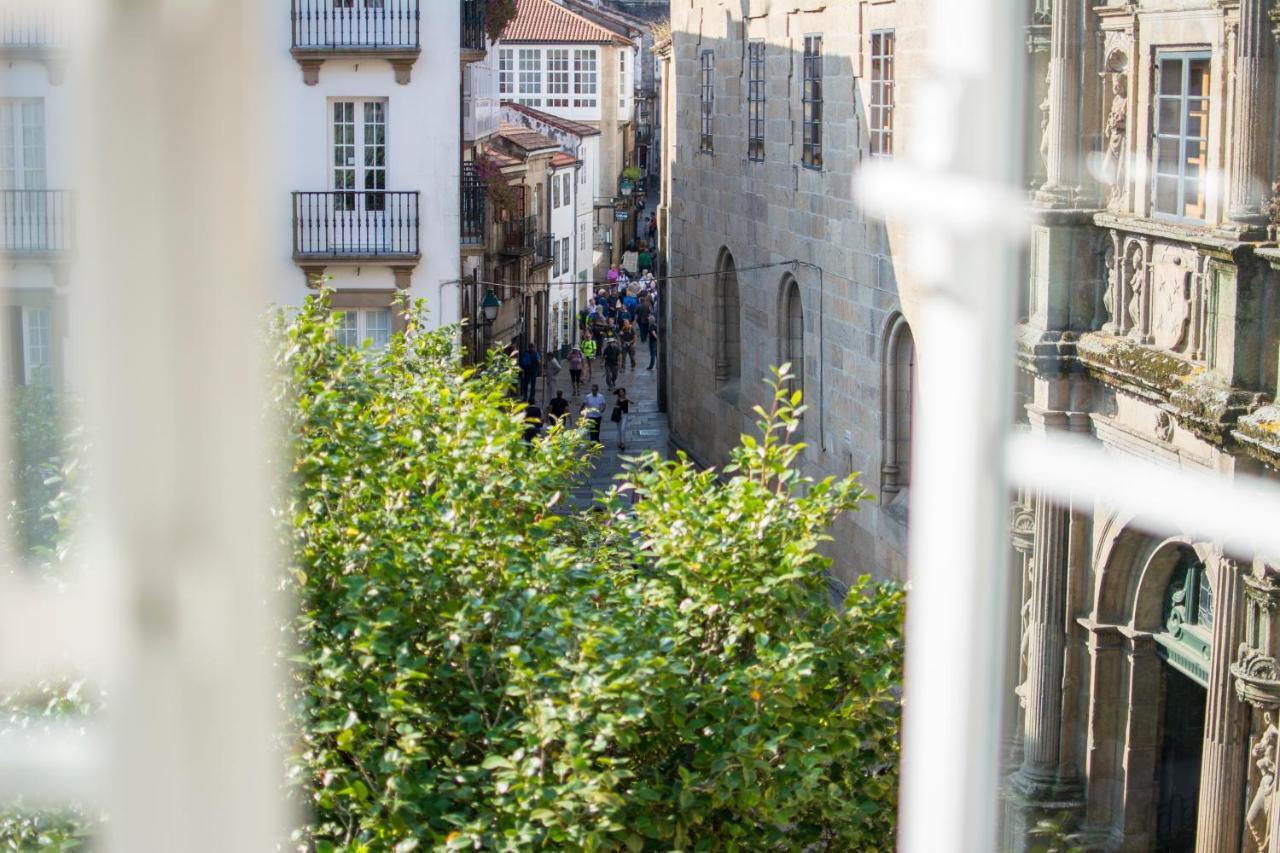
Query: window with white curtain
point(358, 326)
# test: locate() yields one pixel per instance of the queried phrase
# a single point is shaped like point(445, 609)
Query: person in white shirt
point(593, 410)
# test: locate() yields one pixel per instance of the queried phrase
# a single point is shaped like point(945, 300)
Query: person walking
point(653, 347)
point(593, 411)
point(576, 362)
point(530, 367)
point(645, 261)
point(532, 422)
point(621, 415)
point(628, 340)
point(652, 230)
point(558, 407)
point(612, 355)
point(589, 353)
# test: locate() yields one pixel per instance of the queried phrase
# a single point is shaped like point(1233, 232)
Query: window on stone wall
point(793, 332)
point(728, 321)
point(1182, 130)
point(708, 100)
point(755, 100)
point(897, 407)
point(811, 151)
point(882, 93)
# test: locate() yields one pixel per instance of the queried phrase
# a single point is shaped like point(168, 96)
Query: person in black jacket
point(621, 411)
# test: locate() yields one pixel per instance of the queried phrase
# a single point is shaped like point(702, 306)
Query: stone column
point(1046, 642)
point(1222, 771)
point(1251, 137)
point(1062, 164)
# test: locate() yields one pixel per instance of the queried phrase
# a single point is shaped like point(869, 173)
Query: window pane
point(347, 332)
point(1169, 117)
point(1198, 78)
point(1171, 77)
point(1167, 195)
point(378, 328)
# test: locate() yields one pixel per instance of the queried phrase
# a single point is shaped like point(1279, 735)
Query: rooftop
point(577, 128)
point(547, 21)
point(525, 139)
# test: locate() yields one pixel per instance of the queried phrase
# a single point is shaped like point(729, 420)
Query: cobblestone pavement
point(646, 431)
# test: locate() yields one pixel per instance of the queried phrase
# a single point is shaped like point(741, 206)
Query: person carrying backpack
point(530, 367)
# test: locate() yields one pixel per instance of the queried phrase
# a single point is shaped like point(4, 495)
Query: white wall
point(423, 151)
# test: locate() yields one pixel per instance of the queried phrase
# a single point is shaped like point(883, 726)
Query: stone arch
point(791, 330)
point(728, 319)
point(897, 404)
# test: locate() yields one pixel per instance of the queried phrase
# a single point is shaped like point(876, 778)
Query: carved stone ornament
point(1170, 302)
point(1257, 677)
point(1164, 426)
point(1137, 268)
point(1258, 817)
point(1116, 133)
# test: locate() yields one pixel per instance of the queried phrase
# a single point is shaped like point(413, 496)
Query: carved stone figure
point(1109, 292)
point(1116, 133)
point(1137, 286)
point(1258, 818)
point(1044, 125)
point(1164, 426)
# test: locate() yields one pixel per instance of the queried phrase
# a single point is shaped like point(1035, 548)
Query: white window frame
point(566, 252)
point(23, 147)
point(1180, 138)
point(358, 326)
point(361, 170)
point(37, 346)
point(529, 76)
point(506, 71)
point(559, 65)
point(883, 92)
point(586, 78)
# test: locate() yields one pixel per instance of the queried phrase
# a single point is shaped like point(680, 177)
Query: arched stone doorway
point(1184, 644)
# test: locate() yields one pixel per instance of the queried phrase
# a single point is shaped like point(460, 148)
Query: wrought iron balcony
point(337, 29)
point(543, 250)
point(29, 27)
point(472, 206)
point(35, 222)
point(474, 14)
point(355, 225)
point(519, 236)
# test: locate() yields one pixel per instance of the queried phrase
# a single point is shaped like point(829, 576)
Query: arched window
point(728, 323)
point(792, 331)
point(897, 403)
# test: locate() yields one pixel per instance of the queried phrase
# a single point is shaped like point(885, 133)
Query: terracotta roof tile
point(559, 161)
point(548, 21)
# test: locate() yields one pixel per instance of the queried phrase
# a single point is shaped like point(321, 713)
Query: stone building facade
point(1145, 707)
point(767, 113)
point(1144, 695)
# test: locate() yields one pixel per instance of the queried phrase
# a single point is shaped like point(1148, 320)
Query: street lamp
point(489, 307)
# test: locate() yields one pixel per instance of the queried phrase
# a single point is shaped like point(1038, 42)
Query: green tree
point(479, 667)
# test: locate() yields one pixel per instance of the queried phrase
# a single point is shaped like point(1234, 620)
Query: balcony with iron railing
point(342, 225)
point(473, 206)
point(33, 31)
point(474, 38)
point(35, 222)
point(519, 235)
point(356, 29)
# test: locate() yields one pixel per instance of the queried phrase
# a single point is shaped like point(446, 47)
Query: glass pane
point(378, 326)
point(1169, 116)
point(1193, 199)
point(1171, 77)
point(1167, 156)
point(1167, 195)
point(1198, 118)
point(1198, 78)
point(1204, 611)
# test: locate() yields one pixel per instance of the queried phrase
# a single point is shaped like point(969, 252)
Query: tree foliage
point(480, 667)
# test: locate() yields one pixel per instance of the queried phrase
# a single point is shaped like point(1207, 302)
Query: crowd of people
point(622, 315)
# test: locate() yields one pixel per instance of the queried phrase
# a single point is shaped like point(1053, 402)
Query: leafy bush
point(478, 667)
point(43, 468)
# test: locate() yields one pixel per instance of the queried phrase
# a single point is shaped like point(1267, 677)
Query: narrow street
point(647, 429)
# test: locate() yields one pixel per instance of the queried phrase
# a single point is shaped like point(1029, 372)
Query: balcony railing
point(543, 249)
point(519, 236)
point(473, 24)
point(344, 25)
point(357, 224)
point(472, 205)
point(29, 26)
point(35, 221)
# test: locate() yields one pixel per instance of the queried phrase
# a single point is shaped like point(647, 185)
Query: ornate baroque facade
point(1143, 709)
